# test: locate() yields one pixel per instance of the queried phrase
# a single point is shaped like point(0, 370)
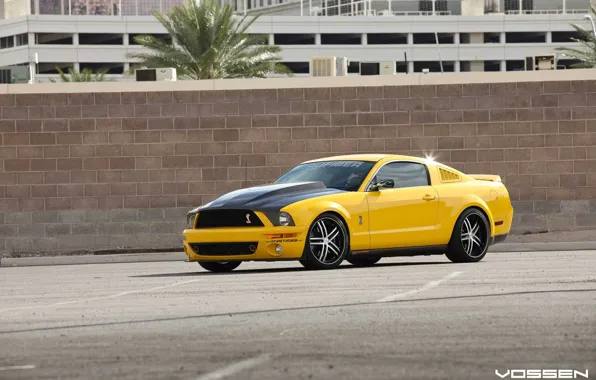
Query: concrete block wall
point(98, 170)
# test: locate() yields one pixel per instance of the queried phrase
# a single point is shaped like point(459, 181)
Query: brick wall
point(107, 170)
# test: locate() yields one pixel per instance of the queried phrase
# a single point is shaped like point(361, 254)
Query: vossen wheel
point(220, 266)
point(470, 238)
point(363, 260)
point(327, 243)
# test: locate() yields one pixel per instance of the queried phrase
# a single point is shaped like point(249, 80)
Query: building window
point(298, 67)
point(7, 42)
point(513, 5)
point(525, 37)
point(164, 37)
point(100, 39)
point(431, 38)
point(112, 68)
point(387, 39)
point(54, 39)
point(52, 67)
point(341, 39)
point(427, 6)
point(22, 39)
point(293, 39)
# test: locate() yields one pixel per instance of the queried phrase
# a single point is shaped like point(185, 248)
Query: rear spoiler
point(486, 177)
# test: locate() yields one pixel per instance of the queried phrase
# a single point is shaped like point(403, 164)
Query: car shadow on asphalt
point(282, 270)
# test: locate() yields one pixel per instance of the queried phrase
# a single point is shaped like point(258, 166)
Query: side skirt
point(498, 239)
point(245, 260)
point(407, 251)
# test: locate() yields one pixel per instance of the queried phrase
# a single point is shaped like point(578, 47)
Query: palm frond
point(86, 75)
point(586, 55)
point(210, 42)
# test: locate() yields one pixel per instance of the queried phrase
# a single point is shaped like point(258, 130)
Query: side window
point(404, 174)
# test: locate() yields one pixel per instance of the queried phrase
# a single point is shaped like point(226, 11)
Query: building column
point(410, 38)
point(549, 37)
point(410, 67)
point(456, 39)
point(31, 39)
point(36, 7)
point(364, 39)
point(318, 39)
point(503, 65)
point(272, 39)
point(126, 42)
point(75, 39)
point(503, 38)
point(457, 66)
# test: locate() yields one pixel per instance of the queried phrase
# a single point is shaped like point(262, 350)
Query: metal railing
point(17, 8)
point(547, 11)
point(414, 7)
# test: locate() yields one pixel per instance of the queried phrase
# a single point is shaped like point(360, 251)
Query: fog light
point(278, 249)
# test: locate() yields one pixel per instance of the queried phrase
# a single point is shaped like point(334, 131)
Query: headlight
point(279, 218)
point(190, 219)
point(284, 219)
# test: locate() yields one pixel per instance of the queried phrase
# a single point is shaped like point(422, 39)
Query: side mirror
point(383, 184)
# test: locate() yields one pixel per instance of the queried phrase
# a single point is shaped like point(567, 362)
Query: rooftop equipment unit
point(323, 67)
point(342, 66)
point(541, 62)
point(155, 75)
point(387, 68)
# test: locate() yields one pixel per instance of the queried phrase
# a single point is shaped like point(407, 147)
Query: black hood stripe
point(269, 197)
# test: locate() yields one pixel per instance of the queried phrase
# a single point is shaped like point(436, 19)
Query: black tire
point(317, 248)
point(459, 250)
point(363, 261)
point(220, 266)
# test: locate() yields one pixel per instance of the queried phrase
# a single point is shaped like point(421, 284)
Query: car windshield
point(341, 175)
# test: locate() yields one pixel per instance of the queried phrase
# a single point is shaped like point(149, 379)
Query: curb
point(544, 247)
point(180, 256)
point(92, 259)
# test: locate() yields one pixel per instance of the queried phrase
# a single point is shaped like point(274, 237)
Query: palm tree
point(587, 54)
point(211, 43)
point(86, 75)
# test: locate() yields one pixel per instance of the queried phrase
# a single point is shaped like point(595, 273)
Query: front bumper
point(263, 239)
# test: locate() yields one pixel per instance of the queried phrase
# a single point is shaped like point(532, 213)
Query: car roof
point(367, 157)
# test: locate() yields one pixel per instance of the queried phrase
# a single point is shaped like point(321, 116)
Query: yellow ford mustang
point(356, 207)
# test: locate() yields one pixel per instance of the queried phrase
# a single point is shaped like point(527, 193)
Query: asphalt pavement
point(405, 318)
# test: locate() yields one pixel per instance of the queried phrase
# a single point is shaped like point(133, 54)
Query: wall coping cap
point(418, 79)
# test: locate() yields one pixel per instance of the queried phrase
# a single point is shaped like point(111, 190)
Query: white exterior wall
point(307, 25)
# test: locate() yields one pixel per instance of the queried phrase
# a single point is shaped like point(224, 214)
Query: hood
point(269, 197)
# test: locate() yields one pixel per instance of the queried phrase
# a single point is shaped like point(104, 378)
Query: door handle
point(429, 197)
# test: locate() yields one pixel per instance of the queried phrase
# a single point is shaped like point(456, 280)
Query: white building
point(472, 35)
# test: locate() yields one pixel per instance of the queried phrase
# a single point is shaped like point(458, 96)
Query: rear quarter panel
point(491, 197)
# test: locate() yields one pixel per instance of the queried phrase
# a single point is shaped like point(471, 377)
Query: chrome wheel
point(327, 241)
point(474, 238)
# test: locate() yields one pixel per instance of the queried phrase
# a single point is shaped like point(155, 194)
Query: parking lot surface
point(404, 318)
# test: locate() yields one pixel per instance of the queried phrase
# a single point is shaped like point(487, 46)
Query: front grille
point(225, 249)
point(228, 218)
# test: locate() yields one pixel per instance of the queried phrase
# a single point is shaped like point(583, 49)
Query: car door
point(405, 215)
